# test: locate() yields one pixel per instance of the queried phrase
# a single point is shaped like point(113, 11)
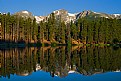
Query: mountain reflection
point(59, 61)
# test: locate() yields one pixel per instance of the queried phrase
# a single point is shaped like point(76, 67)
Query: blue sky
point(44, 7)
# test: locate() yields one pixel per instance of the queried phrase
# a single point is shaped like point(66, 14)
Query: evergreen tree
point(98, 30)
point(74, 31)
point(34, 30)
point(84, 31)
point(63, 27)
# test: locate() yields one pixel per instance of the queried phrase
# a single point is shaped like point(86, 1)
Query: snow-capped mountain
point(25, 14)
point(92, 14)
point(117, 16)
point(67, 17)
point(39, 18)
point(64, 15)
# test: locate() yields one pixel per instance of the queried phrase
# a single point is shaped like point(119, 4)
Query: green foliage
point(115, 41)
point(85, 30)
point(53, 44)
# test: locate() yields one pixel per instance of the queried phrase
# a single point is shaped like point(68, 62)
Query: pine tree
point(90, 31)
point(84, 31)
point(96, 31)
point(34, 30)
point(68, 34)
point(0, 26)
point(42, 26)
point(63, 26)
point(4, 26)
point(74, 31)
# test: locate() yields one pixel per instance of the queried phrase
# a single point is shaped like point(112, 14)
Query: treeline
point(100, 30)
point(59, 61)
point(17, 29)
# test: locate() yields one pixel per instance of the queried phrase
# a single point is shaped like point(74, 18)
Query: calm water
point(60, 64)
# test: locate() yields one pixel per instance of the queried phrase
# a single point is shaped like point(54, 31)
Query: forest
point(16, 29)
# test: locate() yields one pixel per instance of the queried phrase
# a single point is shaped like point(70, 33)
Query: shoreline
point(2, 45)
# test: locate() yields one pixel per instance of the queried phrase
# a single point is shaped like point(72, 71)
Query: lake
point(60, 64)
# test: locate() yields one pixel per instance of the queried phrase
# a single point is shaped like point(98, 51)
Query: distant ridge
point(67, 16)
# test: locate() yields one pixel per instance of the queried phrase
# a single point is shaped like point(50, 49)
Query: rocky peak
point(60, 12)
point(25, 14)
point(63, 15)
point(67, 17)
point(83, 14)
point(40, 18)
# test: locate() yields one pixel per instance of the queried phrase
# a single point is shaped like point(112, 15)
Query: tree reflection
point(59, 61)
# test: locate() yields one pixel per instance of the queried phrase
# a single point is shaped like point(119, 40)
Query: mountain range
point(65, 16)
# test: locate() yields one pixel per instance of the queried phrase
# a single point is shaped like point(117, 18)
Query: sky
point(45, 7)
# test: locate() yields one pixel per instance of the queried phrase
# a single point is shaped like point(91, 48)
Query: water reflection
point(59, 61)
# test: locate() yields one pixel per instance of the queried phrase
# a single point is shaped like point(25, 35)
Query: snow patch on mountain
point(117, 15)
point(39, 18)
point(96, 13)
point(57, 12)
point(25, 12)
point(70, 14)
